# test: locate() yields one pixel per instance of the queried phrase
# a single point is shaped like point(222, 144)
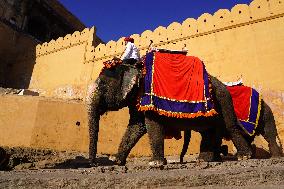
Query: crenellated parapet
point(64, 66)
point(85, 37)
point(173, 35)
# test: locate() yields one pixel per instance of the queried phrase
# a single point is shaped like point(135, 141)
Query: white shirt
point(131, 51)
point(234, 83)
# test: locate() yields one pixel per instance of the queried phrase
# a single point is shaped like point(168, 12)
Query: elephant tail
point(280, 143)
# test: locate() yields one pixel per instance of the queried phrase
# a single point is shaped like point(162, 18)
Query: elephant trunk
point(93, 132)
point(93, 123)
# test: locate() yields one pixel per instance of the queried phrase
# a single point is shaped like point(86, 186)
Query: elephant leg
point(210, 147)
point(131, 136)
point(270, 131)
point(224, 100)
point(156, 135)
point(135, 130)
point(187, 136)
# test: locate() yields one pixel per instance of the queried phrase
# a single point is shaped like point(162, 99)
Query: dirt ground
point(31, 168)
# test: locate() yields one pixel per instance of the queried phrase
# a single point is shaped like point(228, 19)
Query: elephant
point(119, 87)
point(266, 127)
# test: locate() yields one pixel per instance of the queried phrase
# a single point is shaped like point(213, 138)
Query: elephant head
point(115, 88)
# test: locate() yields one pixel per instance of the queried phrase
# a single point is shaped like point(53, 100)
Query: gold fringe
point(258, 111)
point(258, 114)
point(178, 114)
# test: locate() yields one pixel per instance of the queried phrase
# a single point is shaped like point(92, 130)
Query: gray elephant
point(118, 87)
point(266, 128)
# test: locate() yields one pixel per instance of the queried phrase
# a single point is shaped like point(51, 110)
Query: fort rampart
point(246, 41)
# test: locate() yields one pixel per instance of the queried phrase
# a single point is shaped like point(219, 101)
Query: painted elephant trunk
point(94, 118)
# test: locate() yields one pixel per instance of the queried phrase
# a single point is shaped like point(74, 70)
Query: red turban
point(129, 39)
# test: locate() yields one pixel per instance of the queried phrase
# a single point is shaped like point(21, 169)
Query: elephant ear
point(130, 78)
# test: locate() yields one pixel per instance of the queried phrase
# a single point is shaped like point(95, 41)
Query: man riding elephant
point(131, 53)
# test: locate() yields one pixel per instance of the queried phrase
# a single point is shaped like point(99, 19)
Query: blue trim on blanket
point(249, 127)
point(254, 106)
point(251, 124)
point(148, 77)
point(149, 99)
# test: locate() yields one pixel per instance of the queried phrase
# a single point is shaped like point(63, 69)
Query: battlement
point(223, 19)
point(175, 33)
point(77, 38)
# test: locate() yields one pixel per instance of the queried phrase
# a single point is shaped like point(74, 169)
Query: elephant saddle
point(176, 85)
point(247, 105)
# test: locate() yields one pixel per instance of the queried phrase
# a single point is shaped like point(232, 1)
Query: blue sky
point(118, 18)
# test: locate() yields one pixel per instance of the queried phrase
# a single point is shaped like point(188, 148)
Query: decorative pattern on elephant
point(176, 85)
point(247, 106)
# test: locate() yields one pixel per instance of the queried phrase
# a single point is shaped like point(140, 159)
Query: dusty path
point(47, 169)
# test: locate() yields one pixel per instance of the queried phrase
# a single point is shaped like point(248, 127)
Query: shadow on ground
point(82, 162)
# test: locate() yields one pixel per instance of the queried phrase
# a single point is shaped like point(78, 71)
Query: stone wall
point(62, 125)
point(63, 67)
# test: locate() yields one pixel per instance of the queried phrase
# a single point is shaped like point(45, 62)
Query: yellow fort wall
point(62, 67)
point(246, 41)
point(39, 122)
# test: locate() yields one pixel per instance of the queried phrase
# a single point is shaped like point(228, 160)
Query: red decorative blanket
point(176, 85)
point(247, 105)
point(178, 77)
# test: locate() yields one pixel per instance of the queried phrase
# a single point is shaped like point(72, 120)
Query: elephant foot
point(117, 161)
point(246, 154)
point(93, 163)
point(224, 150)
point(206, 156)
point(158, 164)
point(253, 149)
point(92, 159)
point(276, 153)
point(181, 160)
point(209, 157)
point(243, 156)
